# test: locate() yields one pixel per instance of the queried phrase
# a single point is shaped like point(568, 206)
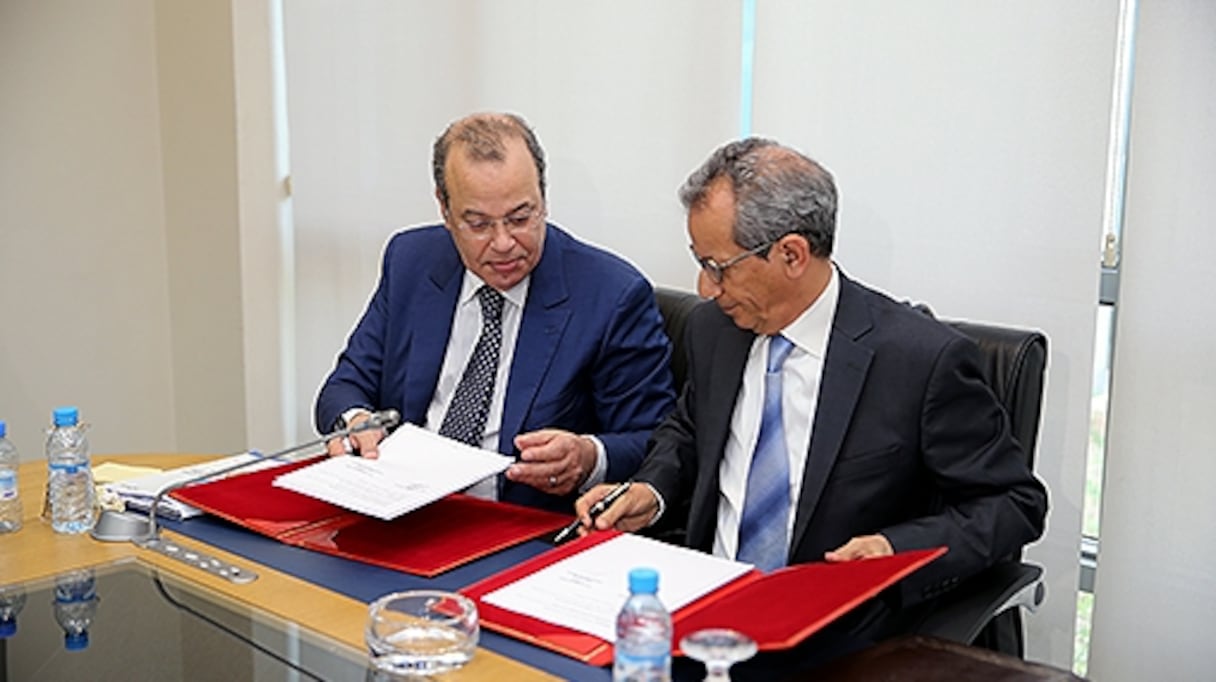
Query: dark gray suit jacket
point(907, 441)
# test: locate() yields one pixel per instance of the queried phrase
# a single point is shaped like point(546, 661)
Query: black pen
point(594, 512)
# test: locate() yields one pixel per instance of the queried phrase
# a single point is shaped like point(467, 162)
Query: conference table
point(316, 606)
point(313, 592)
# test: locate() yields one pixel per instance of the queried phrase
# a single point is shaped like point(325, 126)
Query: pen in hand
point(596, 509)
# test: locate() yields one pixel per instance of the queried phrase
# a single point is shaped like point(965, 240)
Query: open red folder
point(442, 535)
point(810, 596)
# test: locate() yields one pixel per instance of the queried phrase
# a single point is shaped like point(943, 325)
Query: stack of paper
point(138, 493)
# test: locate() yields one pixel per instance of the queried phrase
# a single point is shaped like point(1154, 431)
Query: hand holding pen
point(594, 512)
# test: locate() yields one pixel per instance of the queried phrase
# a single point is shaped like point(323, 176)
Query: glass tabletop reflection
point(129, 621)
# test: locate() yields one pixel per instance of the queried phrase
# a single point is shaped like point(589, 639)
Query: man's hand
point(861, 547)
point(632, 511)
point(364, 443)
point(553, 461)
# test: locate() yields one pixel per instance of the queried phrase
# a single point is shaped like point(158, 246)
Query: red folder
point(442, 535)
point(808, 597)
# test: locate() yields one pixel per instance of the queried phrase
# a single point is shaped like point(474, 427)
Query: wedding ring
point(553, 481)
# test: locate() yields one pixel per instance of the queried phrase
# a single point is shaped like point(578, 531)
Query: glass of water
point(420, 632)
point(718, 649)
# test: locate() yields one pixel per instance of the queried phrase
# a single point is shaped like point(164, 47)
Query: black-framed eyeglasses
point(716, 270)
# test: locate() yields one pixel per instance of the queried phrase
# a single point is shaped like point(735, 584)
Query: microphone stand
point(114, 526)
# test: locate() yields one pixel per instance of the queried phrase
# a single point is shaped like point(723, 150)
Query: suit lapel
point(436, 303)
point(724, 378)
point(844, 373)
point(546, 313)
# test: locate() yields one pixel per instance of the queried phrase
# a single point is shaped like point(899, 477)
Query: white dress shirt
point(799, 397)
point(466, 328)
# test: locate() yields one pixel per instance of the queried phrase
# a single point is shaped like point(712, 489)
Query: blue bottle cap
point(643, 581)
point(76, 641)
point(3, 429)
point(65, 416)
point(8, 628)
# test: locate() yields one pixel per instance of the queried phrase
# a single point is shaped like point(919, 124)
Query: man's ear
point(795, 254)
point(443, 210)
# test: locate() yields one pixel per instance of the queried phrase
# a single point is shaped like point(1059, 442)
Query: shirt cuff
point(347, 416)
point(600, 470)
point(658, 514)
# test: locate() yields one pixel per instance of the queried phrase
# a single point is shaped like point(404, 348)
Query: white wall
point(84, 302)
point(119, 252)
point(194, 60)
point(1155, 591)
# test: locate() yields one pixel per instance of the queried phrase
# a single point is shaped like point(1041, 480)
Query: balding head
point(482, 138)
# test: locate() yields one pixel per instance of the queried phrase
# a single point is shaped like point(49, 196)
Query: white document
point(585, 591)
point(415, 467)
point(138, 492)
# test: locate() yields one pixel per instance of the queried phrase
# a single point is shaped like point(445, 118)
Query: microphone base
point(124, 526)
point(116, 526)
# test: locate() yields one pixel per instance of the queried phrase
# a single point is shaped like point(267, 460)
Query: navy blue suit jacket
point(908, 441)
point(591, 356)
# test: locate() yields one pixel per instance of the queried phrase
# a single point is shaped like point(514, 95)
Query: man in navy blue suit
point(822, 420)
point(500, 329)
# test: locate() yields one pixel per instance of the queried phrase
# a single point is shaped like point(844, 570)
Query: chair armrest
point(963, 612)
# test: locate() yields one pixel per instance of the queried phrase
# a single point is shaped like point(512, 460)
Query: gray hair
point(483, 137)
point(778, 191)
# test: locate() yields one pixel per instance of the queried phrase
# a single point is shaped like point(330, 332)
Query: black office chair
point(675, 306)
point(982, 611)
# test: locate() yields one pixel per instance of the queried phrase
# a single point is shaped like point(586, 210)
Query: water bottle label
point(66, 468)
point(8, 485)
point(641, 668)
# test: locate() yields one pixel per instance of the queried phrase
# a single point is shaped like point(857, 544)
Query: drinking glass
point(718, 649)
point(420, 632)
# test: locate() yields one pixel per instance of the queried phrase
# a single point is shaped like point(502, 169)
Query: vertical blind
point(968, 141)
point(626, 97)
point(1155, 592)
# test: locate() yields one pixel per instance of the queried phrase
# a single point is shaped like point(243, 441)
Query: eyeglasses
point(517, 222)
point(717, 271)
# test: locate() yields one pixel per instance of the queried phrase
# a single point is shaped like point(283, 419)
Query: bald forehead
point(484, 137)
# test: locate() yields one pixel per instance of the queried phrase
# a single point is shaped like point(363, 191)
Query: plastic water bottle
point(75, 605)
point(12, 600)
point(69, 480)
point(643, 632)
point(10, 494)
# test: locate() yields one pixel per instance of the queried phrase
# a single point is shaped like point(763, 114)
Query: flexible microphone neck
point(384, 419)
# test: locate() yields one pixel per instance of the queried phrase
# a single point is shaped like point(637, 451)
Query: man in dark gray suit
point(822, 420)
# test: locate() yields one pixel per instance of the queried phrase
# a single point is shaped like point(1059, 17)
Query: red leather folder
point(777, 610)
point(442, 535)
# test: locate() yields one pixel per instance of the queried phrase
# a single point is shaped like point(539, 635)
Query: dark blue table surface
point(365, 582)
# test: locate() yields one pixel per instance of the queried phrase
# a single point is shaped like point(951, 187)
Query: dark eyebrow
point(471, 213)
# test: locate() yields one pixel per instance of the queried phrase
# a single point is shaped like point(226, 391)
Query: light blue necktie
point(764, 526)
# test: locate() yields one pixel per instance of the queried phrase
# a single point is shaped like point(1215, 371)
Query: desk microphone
point(116, 526)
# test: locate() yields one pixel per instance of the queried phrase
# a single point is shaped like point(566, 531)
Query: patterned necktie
point(465, 420)
point(764, 526)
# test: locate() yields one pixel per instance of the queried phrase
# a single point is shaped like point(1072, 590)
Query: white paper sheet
point(585, 591)
point(415, 467)
point(137, 491)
